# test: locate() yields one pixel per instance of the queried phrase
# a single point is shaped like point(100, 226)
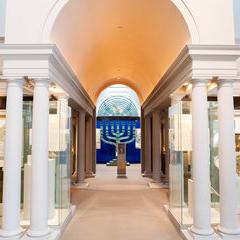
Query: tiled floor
point(117, 209)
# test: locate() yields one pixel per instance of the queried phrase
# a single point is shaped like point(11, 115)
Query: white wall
point(25, 19)
point(2, 17)
point(237, 20)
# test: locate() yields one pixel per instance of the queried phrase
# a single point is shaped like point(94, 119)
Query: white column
point(81, 148)
point(12, 160)
point(156, 144)
point(39, 173)
point(148, 144)
point(89, 155)
point(201, 162)
point(227, 161)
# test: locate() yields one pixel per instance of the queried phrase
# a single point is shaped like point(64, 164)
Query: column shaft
point(227, 158)
point(81, 148)
point(148, 146)
point(200, 161)
point(89, 154)
point(143, 161)
point(156, 144)
point(39, 173)
point(12, 160)
point(94, 141)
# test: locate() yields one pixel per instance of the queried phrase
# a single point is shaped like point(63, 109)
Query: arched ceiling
point(120, 41)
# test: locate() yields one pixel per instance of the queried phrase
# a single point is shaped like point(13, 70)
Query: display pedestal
point(121, 160)
point(27, 189)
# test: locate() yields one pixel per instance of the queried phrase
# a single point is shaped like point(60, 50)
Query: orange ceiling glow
point(132, 42)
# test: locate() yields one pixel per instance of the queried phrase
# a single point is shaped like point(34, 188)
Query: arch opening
point(118, 123)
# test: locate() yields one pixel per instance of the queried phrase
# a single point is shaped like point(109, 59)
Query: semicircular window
point(117, 106)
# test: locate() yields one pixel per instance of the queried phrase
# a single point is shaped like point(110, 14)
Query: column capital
point(64, 96)
point(82, 111)
point(225, 83)
point(156, 111)
point(199, 82)
point(176, 97)
point(15, 82)
point(41, 82)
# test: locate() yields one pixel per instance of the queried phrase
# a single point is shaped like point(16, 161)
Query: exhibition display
point(180, 169)
point(59, 160)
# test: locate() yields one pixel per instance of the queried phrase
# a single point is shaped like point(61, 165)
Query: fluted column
point(156, 141)
point(89, 153)
point(200, 162)
point(39, 171)
point(148, 145)
point(12, 160)
point(227, 162)
point(81, 148)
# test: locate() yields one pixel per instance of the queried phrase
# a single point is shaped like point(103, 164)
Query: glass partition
point(180, 142)
point(58, 162)
point(2, 139)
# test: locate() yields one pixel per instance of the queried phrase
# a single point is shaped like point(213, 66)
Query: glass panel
point(186, 148)
point(214, 161)
point(175, 167)
point(54, 164)
point(64, 155)
point(2, 140)
point(26, 163)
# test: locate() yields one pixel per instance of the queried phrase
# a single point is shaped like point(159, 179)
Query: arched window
point(118, 101)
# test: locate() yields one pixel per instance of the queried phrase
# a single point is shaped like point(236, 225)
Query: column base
point(121, 175)
point(81, 185)
point(157, 185)
point(189, 235)
point(228, 234)
point(200, 234)
point(89, 175)
point(36, 233)
point(53, 235)
point(4, 234)
point(149, 175)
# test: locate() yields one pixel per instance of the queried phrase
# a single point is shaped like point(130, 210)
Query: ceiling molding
point(195, 62)
point(43, 61)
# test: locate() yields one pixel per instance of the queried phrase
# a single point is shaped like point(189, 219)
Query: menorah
point(118, 134)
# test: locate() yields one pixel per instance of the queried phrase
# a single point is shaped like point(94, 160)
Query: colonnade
point(39, 161)
point(201, 158)
point(201, 228)
point(86, 150)
point(153, 145)
point(13, 158)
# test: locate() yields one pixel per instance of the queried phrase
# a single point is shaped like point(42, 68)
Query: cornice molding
point(43, 61)
point(195, 62)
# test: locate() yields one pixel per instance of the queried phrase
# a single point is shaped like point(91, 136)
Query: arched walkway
point(119, 209)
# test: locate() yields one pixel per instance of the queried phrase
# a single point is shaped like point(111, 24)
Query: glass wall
point(180, 144)
point(2, 139)
point(59, 160)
